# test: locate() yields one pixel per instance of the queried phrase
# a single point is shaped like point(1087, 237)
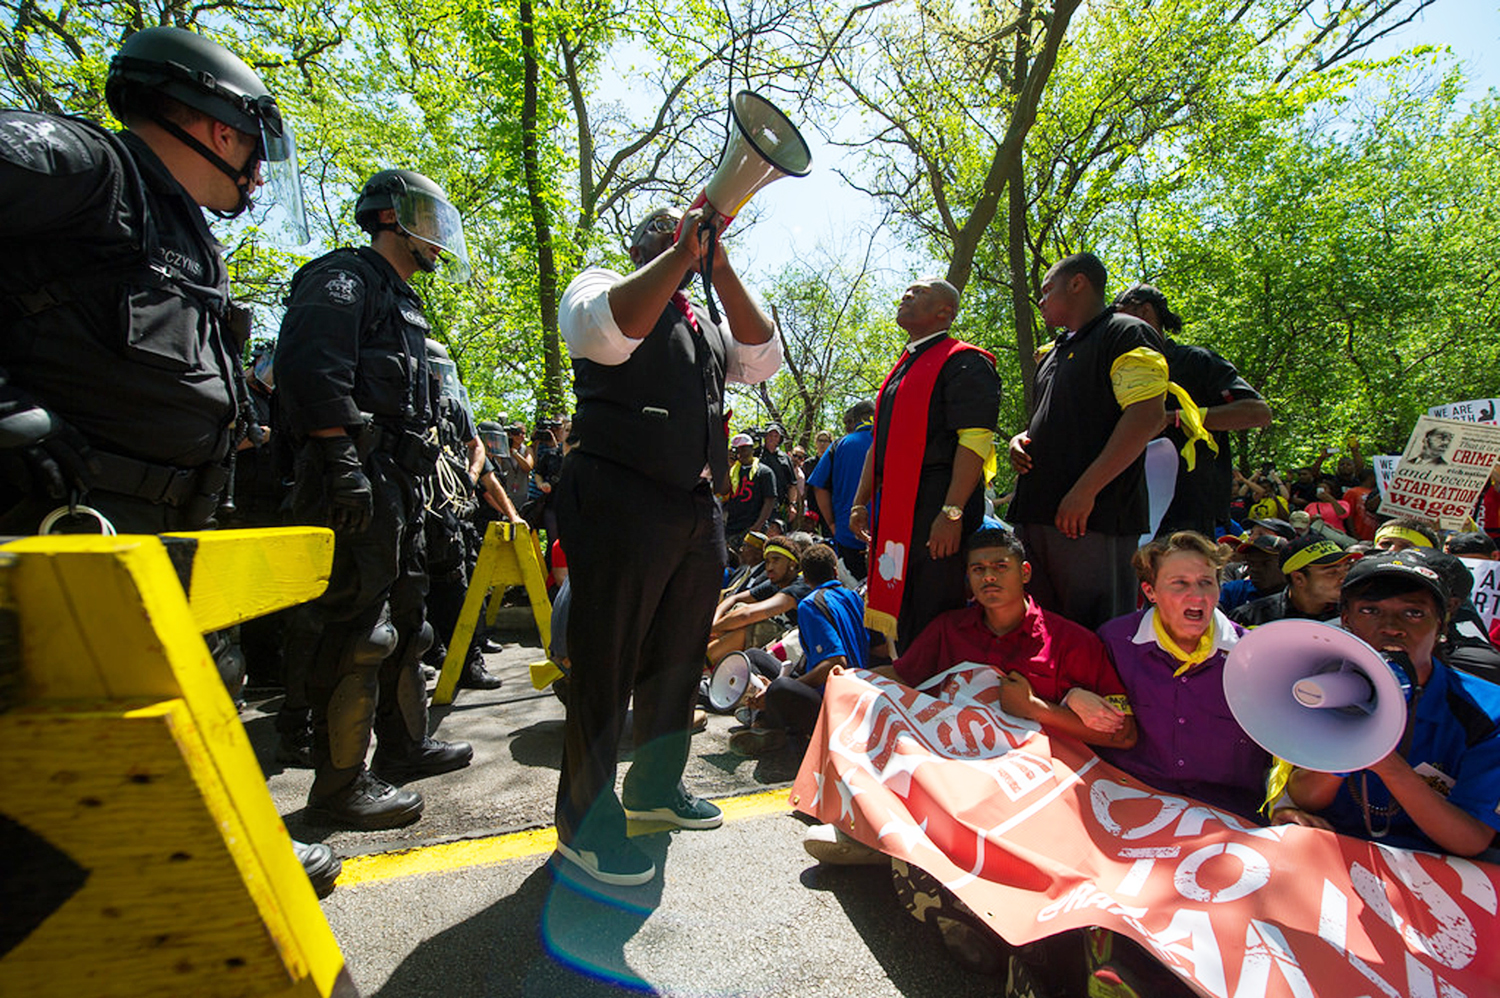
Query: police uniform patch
point(37, 143)
point(342, 288)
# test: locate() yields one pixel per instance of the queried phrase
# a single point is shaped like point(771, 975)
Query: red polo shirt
point(1052, 652)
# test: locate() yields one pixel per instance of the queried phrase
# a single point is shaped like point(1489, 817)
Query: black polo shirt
point(965, 396)
point(1075, 414)
point(1202, 497)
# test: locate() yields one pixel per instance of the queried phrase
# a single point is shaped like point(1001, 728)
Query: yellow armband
point(1138, 375)
point(1190, 422)
point(981, 442)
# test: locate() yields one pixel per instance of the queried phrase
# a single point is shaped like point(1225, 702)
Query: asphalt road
point(464, 903)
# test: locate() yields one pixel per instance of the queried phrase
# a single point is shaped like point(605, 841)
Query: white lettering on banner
point(1266, 947)
point(1140, 871)
point(1476, 886)
point(1254, 874)
point(1333, 920)
point(1196, 929)
point(1194, 817)
point(1087, 896)
point(1019, 773)
point(1453, 943)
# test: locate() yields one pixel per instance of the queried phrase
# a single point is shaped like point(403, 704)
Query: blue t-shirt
point(840, 631)
point(838, 471)
point(1455, 744)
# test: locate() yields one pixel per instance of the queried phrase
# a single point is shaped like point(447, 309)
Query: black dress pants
point(645, 562)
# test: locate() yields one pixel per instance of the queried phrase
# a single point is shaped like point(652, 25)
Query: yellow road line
point(495, 849)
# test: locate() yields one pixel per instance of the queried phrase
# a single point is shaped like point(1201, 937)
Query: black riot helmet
point(203, 75)
point(423, 212)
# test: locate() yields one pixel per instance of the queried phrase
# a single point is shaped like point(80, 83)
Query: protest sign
point(1486, 591)
point(1472, 411)
point(1385, 467)
point(1442, 470)
point(1039, 836)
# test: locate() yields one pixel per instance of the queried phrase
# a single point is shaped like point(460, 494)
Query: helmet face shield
point(433, 220)
point(277, 208)
point(447, 374)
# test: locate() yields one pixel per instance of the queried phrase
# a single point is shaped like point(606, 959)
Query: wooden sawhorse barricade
point(509, 556)
point(142, 853)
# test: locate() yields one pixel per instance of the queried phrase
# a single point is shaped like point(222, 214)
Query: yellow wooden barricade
point(143, 853)
point(510, 556)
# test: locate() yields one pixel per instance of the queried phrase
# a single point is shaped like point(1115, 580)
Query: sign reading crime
point(1442, 470)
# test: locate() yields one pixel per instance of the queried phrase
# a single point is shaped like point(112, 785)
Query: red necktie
point(680, 299)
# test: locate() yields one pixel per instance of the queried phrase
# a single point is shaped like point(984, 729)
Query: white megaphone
point(731, 679)
point(1315, 695)
point(763, 146)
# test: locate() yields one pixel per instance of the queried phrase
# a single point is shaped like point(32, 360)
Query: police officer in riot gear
point(352, 377)
point(111, 278)
point(120, 380)
point(452, 538)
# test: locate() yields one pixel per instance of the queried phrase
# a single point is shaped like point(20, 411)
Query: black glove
point(46, 455)
point(351, 501)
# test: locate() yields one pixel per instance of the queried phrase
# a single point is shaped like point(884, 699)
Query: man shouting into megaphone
point(641, 529)
point(1439, 790)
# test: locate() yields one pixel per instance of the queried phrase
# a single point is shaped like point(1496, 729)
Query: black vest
point(662, 411)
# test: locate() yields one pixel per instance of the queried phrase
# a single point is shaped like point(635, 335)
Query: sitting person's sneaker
point(320, 864)
point(700, 720)
point(826, 844)
point(682, 809)
point(757, 741)
point(622, 864)
point(476, 677)
point(412, 762)
point(367, 803)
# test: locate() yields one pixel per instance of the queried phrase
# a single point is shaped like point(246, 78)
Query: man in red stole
point(934, 447)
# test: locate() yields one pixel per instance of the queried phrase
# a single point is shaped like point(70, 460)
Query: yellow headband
point(1402, 533)
point(776, 547)
point(1312, 553)
point(756, 539)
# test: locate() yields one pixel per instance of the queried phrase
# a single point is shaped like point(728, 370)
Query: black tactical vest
point(662, 411)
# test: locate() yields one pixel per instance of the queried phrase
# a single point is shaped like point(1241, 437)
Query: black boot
point(426, 758)
point(476, 677)
point(366, 803)
point(320, 864)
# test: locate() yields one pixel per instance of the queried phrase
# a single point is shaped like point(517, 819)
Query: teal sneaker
point(683, 810)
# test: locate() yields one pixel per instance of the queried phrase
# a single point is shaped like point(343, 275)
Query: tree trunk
point(1020, 288)
point(551, 401)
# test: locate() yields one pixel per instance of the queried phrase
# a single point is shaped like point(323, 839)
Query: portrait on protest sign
point(1442, 470)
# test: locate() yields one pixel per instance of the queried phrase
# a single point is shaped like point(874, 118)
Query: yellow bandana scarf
point(734, 473)
point(1188, 659)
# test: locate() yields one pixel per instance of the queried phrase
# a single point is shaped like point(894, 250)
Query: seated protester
point(830, 623)
point(1261, 556)
point(1170, 657)
point(1406, 532)
point(1441, 791)
point(754, 617)
point(752, 492)
point(1314, 570)
point(1466, 642)
point(1053, 671)
point(752, 567)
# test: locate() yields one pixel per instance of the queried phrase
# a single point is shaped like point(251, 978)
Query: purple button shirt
point(1189, 742)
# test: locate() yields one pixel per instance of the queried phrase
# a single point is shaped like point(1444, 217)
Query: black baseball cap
point(1381, 575)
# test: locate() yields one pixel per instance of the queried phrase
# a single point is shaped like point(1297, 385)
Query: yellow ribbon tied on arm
point(981, 442)
point(1141, 374)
